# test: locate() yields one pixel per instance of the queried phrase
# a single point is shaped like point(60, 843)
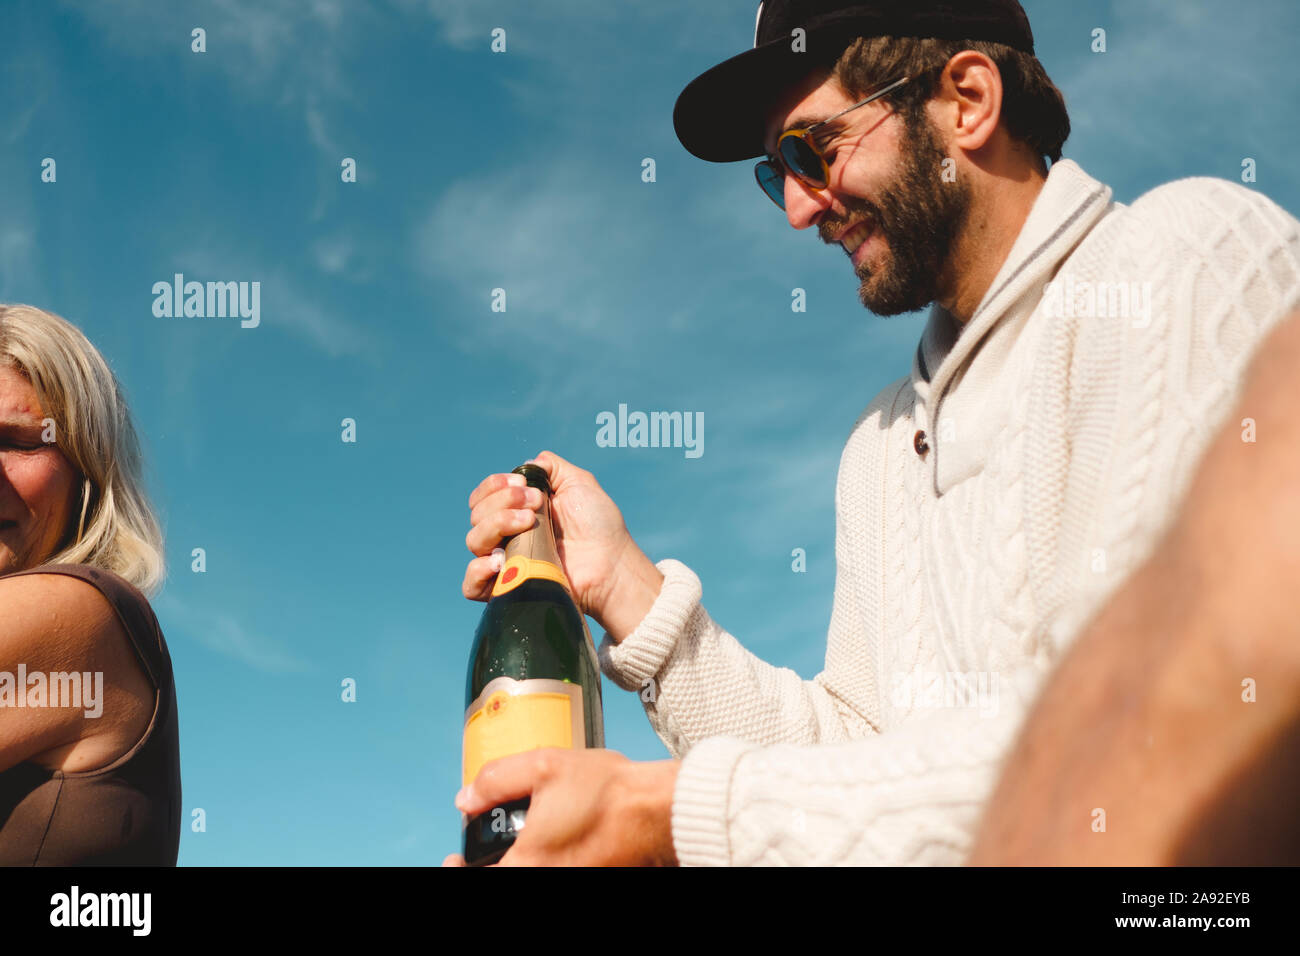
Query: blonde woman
point(89, 752)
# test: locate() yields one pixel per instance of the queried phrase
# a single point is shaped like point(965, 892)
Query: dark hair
point(1033, 109)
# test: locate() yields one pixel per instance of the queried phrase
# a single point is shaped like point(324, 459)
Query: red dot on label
point(510, 575)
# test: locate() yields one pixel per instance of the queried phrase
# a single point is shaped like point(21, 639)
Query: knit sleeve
point(697, 681)
point(911, 796)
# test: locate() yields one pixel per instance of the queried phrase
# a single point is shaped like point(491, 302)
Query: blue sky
point(475, 171)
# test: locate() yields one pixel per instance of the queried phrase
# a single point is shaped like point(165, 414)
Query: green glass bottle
point(534, 680)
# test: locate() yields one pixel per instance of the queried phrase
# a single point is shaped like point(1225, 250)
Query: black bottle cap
point(536, 476)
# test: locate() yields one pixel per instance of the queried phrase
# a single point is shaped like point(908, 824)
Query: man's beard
point(919, 217)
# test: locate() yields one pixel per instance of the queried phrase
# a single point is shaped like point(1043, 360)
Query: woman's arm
point(53, 627)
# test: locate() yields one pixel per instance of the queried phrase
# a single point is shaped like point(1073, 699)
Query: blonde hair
point(116, 529)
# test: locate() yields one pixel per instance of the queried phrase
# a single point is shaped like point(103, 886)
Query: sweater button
point(919, 443)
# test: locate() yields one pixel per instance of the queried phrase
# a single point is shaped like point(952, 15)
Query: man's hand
point(588, 808)
point(613, 579)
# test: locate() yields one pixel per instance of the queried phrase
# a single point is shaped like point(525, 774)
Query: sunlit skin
point(39, 487)
point(51, 622)
point(631, 821)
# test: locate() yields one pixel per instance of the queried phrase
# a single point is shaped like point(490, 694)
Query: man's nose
point(803, 204)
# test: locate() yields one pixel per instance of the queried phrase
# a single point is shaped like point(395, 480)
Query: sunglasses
point(798, 153)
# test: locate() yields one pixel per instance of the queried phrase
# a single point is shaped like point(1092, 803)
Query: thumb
point(561, 473)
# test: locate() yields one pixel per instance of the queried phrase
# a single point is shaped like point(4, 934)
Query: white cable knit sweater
point(1060, 442)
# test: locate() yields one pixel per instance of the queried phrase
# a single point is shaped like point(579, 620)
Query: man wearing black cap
point(898, 216)
point(1078, 357)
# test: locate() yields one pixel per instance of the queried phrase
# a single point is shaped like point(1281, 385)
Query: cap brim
point(720, 116)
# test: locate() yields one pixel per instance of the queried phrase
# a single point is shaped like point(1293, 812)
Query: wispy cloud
point(550, 243)
point(16, 251)
point(332, 254)
point(282, 49)
point(319, 134)
point(225, 634)
point(468, 24)
point(301, 314)
point(1177, 80)
point(287, 304)
point(300, 56)
point(670, 542)
point(558, 28)
point(415, 837)
point(290, 54)
point(18, 128)
point(28, 80)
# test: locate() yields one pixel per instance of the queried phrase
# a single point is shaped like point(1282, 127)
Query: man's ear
point(969, 95)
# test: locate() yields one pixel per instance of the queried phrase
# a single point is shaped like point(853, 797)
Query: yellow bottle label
point(520, 568)
point(511, 717)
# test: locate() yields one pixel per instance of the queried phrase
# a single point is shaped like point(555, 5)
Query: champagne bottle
point(534, 680)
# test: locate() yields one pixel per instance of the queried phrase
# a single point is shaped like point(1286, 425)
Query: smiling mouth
point(856, 236)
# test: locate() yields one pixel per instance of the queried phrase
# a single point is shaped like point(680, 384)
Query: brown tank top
point(125, 814)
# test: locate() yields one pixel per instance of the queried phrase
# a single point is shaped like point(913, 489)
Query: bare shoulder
point(57, 626)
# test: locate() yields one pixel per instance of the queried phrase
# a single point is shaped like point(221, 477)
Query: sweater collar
point(1068, 206)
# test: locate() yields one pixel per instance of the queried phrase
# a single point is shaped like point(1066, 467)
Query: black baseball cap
point(720, 115)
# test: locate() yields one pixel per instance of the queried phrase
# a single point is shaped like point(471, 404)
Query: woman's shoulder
point(126, 606)
point(110, 583)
